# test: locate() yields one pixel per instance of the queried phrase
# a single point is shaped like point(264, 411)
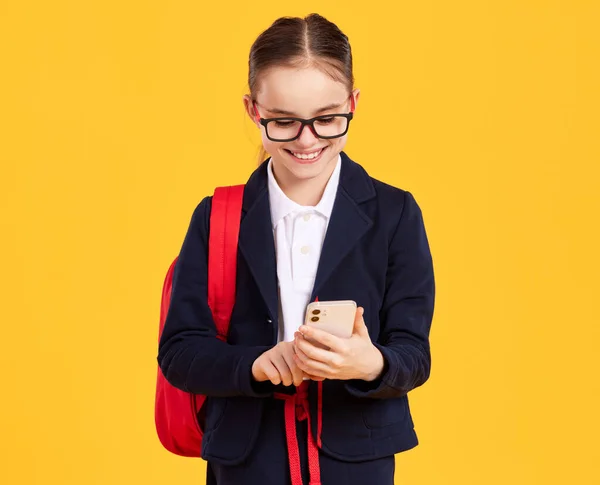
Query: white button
point(307, 217)
point(304, 249)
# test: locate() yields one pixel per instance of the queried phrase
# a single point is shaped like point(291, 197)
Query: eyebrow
point(320, 110)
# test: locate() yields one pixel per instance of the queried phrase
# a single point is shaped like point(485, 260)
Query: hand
point(342, 358)
point(278, 366)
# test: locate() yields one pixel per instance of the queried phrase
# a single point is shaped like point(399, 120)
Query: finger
point(312, 352)
point(334, 343)
point(360, 328)
point(258, 374)
point(314, 378)
point(312, 367)
point(332, 363)
point(270, 371)
point(297, 373)
point(283, 369)
point(305, 375)
point(309, 370)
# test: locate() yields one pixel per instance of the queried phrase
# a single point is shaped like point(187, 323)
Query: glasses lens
point(331, 126)
point(283, 129)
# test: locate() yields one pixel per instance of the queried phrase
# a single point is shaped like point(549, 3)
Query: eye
point(283, 124)
point(326, 121)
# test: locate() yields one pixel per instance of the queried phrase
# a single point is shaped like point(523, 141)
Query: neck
point(307, 192)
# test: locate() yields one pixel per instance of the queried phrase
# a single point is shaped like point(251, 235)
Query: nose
point(307, 137)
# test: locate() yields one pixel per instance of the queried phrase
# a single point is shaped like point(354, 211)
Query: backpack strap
point(222, 254)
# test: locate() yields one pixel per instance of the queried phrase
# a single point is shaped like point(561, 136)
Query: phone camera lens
point(316, 312)
point(314, 319)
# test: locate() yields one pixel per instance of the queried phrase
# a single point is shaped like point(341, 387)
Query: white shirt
point(299, 232)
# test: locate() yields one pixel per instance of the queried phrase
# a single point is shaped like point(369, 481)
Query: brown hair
point(301, 42)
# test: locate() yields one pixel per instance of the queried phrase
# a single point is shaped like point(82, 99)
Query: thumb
point(359, 323)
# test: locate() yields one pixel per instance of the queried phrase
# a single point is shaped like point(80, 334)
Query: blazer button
point(269, 320)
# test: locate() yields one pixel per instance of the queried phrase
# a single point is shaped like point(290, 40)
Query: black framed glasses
point(288, 128)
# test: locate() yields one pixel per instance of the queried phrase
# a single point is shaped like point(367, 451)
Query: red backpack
point(176, 411)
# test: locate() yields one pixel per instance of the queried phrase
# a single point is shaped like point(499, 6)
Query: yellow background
point(116, 118)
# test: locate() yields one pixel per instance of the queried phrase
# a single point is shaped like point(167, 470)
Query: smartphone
point(335, 317)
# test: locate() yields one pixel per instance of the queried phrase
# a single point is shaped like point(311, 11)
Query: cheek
point(339, 143)
point(270, 146)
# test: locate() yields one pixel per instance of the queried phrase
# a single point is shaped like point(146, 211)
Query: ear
point(356, 95)
point(248, 106)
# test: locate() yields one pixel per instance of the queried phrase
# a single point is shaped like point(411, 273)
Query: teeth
point(309, 156)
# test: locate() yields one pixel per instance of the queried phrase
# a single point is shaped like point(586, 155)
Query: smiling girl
point(288, 403)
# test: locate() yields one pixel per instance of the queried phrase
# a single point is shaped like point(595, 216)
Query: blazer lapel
point(256, 241)
point(348, 221)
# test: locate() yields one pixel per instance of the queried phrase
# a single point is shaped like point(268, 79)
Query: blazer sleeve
point(407, 311)
point(189, 353)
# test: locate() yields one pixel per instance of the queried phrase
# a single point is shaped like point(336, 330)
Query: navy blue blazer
point(376, 253)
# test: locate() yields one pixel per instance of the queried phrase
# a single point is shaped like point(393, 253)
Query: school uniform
point(374, 251)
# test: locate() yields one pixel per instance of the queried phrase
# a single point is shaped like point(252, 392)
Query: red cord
point(296, 407)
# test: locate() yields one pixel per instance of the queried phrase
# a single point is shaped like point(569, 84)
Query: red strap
point(319, 412)
point(225, 215)
point(296, 407)
point(222, 254)
point(319, 405)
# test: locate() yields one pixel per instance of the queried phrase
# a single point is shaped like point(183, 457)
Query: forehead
point(302, 91)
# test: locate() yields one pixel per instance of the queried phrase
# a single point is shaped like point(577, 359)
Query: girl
point(286, 403)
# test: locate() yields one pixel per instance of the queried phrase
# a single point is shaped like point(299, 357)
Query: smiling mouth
point(306, 157)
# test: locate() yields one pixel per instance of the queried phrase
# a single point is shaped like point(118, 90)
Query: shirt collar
point(281, 205)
